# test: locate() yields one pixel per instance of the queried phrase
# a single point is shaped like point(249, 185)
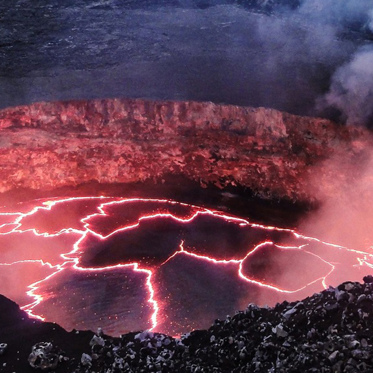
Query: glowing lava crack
point(130, 264)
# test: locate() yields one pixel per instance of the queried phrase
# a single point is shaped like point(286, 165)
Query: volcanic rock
point(44, 356)
point(49, 145)
point(312, 338)
point(86, 360)
point(21, 333)
point(3, 347)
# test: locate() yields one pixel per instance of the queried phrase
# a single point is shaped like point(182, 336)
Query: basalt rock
point(44, 356)
point(322, 333)
point(49, 145)
point(20, 345)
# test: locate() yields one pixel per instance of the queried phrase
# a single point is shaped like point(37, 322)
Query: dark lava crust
point(238, 200)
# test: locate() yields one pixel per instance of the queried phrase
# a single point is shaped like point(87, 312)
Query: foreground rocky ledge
point(51, 145)
point(331, 331)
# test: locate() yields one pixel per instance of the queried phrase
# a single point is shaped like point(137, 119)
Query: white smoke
point(351, 89)
point(370, 22)
point(343, 186)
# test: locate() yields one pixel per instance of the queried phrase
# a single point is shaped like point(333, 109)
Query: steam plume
point(344, 187)
point(351, 89)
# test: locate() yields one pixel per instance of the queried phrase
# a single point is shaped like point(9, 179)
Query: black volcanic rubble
point(331, 331)
point(45, 356)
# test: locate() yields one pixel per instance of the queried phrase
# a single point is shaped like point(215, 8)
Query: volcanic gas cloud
point(130, 264)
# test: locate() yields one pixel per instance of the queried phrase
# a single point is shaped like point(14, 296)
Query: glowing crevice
point(72, 258)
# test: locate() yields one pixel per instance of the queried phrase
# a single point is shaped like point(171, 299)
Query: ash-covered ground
point(330, 331)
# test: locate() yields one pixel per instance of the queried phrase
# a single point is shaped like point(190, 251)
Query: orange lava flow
point(332, 257)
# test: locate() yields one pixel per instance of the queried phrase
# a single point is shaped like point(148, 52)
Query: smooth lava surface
point(134, 264)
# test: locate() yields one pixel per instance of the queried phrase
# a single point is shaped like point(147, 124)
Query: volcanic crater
point(147, 215)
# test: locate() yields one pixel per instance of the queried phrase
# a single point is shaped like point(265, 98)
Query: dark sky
point(303, 56)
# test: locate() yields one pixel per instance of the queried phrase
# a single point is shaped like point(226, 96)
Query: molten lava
point(130, 264)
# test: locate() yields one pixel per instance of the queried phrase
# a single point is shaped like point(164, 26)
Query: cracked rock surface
point(269, 152)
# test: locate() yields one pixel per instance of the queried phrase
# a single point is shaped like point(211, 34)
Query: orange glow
point(12, 223)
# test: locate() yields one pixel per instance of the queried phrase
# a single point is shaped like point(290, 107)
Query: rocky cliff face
point(49, 145)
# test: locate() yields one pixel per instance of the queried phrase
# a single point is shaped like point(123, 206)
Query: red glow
point(71, 222)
